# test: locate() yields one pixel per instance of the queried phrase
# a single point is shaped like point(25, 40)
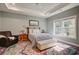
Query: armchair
point(6, 42)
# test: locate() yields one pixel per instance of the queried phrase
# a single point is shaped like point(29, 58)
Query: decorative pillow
point(2, 36)
point(12, 38)
point(36, 31)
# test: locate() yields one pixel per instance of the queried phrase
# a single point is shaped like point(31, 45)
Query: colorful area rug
point(2, 50)
point(59, 49)
point(24, 48)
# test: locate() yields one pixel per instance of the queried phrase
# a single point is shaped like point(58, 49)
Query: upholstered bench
point(44, 44)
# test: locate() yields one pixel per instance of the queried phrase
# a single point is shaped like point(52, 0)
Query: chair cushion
point(2, 36)
point(11, 38)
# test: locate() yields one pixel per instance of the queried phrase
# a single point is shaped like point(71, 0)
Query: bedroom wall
point(70, 12)
point(0, 20)
point(16, 22)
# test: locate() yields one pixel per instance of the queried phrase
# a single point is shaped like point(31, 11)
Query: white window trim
point(65, 19)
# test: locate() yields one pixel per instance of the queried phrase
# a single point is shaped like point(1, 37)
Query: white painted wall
point(15, 22)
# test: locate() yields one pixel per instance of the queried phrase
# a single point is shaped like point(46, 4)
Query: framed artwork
point(33, 23)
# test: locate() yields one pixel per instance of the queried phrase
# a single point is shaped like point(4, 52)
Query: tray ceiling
point(44, 10)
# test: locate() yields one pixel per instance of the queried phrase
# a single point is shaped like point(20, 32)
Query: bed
point(38, 39)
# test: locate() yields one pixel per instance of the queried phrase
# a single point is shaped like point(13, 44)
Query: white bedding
point(34, 38)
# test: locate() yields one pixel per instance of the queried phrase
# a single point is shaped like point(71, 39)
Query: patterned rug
point(16, 49)
point(59, 49)
point(24, 48)
point(2, 50)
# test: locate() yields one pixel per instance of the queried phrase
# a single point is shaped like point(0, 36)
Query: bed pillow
point(2, 36)
point(34, 31)
point(30, 31)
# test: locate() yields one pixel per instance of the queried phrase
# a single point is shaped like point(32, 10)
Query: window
point(65, 27)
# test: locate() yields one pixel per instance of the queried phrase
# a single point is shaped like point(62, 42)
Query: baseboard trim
point(74, 44)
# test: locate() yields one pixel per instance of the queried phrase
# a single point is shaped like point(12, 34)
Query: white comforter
point(38, 37)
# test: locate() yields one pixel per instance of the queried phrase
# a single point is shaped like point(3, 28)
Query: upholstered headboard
point(30, 29)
